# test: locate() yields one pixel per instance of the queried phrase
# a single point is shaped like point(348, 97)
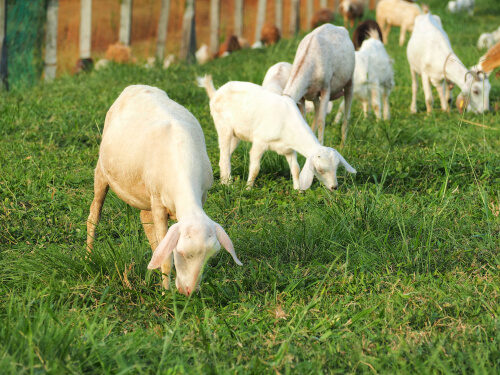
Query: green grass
point(396, 272)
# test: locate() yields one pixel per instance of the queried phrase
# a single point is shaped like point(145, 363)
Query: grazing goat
point(321, 17)
point(396, 13)
point(351, 10)
point(230, 45)
point(489, 61)
point(153, 156)
point(322, 71)
point(269, 34)
point(249, 112)
point(487, 40)
point(461, 5)
point(430, 54)
point(373, 77)
point(361, 33)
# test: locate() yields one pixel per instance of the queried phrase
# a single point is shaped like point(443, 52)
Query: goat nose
point(334, 188)
point(188, 291)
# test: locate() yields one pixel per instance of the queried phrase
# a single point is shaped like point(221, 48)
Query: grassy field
point(396, 272)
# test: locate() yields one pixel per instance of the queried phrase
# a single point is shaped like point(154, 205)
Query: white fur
point(427, 51)
point(373, 78)
point(249, 112)
point(203, 55)
point(276, 78)
point(461, 5)
point(322, 71)
point(396, 13)
point(153, 156)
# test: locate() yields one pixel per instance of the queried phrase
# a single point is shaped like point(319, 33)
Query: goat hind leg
point(348, 95)
point(101, 188)
point(256, 153)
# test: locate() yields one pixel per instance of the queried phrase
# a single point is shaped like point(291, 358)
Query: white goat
point(322, 71)
point(373, 77)
point(153, 155)
point(461, 5)
point(396, 13)
point(249, 112)
point(430, 54)
point(487, 40)
point(276, 78)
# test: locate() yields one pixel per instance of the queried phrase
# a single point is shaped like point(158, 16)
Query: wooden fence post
point(51, 40)
point(372, 4)
point(188, 43)
point(85, 28)
point(294, 17)
point(323, 4)
point(125, 22)
point(4, 84)
point(214, 26)
point(161, 38)
point(279, 15)
point(309, 13)
point(261, 17)
point(238, 18)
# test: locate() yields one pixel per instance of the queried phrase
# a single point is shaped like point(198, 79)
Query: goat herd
point(153, 152)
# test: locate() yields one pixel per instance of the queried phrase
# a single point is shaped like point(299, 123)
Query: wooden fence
point(296, 10)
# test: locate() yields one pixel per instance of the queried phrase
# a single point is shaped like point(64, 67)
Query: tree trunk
point(188, 43)
point(4, 84)
point(294, 17)
point(51, 40)
point(161, 38)
point(214, 26)
point(85, 28)
point(238, 18)
point(261, 17)
point(279, 15)
point(125, 22)
point(323, 4)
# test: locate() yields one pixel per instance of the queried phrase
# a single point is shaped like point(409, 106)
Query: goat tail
point(373, 33)
point(207, 83)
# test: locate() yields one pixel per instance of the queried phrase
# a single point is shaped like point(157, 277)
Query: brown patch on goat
point(362, 31)
point(491, 59)
point(270, 34)
point(321, 17)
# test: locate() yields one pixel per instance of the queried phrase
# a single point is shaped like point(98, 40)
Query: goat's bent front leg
point(385, 98)
point(294, 168)
point(101, 188)
point(160, 219)
point(256, 153)
point(375, 98)
point(348, 95)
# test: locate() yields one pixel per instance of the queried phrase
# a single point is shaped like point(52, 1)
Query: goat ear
point(306, 175)
point(345, 164)
point(165, 247)
point(226, 243)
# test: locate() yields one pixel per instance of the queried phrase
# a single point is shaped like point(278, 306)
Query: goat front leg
point(302, 107)
point(402, 35)
point(338, 117)
point(426, 85)
point(159, 215)
point(385, 32)
point(149, 228)
point(294, 168)
point(320, 113)
point(101, 188)
point(440, 88)
point(414, 90)
point(256, 153)
point(375, 99)
point(385, 98)
point(348, 95)
point(225, 147)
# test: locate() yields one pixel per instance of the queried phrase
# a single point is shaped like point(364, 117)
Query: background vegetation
point(396, 272)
